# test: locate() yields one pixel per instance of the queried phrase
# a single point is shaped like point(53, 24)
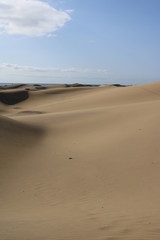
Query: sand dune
point(80, 162)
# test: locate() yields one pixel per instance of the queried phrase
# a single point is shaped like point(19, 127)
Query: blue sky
point(87, 41)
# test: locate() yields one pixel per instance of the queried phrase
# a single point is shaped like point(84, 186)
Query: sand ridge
point(81, 162)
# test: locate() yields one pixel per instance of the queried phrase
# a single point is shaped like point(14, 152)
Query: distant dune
point(80, 162)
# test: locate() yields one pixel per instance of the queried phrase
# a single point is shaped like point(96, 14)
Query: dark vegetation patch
point(11, 98)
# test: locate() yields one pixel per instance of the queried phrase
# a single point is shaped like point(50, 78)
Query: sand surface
point(80, 162)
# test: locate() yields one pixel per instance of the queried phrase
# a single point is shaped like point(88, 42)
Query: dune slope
point(81, 163)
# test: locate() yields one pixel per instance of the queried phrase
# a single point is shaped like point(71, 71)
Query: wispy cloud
point(21, 73)
point(15, 68)
point(30, 74)
point(31, 17)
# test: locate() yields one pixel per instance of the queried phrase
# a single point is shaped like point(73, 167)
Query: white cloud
point(31, 17)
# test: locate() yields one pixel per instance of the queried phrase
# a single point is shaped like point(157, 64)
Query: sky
point(85, 41)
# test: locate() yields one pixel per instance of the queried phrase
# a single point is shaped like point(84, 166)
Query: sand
point(80, 162)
